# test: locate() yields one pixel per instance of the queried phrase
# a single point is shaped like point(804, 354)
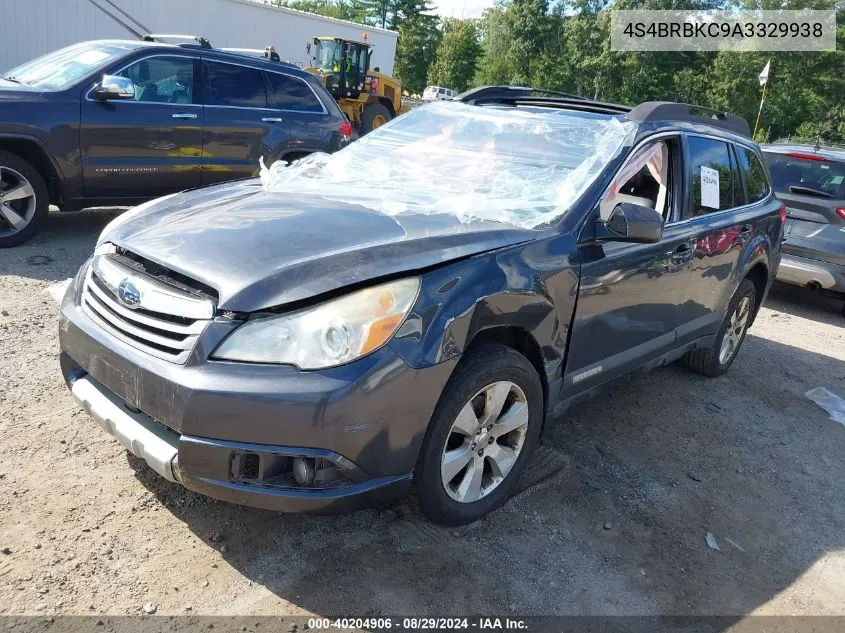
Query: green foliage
point(565, 45)
point(457, 56)
point(415, 51)
point(351, 10)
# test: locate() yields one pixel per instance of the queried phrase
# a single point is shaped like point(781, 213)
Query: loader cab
point(343, 63)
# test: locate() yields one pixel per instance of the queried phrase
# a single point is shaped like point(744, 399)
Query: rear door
point(240, 127)
point(812, 187)
point(722, 215)
point(310, 126)
point(150, 145)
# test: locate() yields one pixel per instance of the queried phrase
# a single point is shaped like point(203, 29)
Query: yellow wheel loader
point(368, 97)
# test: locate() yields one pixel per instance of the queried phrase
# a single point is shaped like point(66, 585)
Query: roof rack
point(507, 93)
point(161, 37)
point(816, 143)
point(525, 96)
point(670, 111)
point(643, 113)
point(259, 52)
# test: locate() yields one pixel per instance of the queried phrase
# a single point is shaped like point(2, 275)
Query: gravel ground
point(653, 468)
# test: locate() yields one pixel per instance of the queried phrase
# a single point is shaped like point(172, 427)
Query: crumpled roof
point(521, 166)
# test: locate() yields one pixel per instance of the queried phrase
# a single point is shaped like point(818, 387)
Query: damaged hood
point(260, 249)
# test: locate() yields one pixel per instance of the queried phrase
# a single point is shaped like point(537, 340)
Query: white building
point(29, 28)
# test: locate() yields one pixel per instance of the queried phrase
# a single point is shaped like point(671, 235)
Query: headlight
point(326, 335)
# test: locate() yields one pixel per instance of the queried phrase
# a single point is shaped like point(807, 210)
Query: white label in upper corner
point(709, 188)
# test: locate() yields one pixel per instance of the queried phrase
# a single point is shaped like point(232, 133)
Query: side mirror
point(114, 87)
point(308, 48)
point(629, 222)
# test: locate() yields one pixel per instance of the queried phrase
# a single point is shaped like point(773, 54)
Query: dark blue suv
point(120, 122)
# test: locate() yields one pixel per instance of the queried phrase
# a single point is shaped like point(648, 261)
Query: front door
point(631, 295)
point(150, 145)
point(240, 128)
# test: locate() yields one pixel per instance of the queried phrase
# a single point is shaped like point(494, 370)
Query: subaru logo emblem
point(129, 294)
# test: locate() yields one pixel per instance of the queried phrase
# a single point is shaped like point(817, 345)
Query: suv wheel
point(715, 360)
point(481, 435)
point(23, 200)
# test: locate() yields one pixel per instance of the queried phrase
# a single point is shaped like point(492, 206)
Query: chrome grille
point(163, 322)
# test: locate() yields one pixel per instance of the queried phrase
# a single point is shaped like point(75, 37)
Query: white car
point(438, 93)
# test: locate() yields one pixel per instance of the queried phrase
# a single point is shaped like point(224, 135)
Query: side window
point(644, 180)
point(162, 79)
point(755, 176)
point(710, 165)
point(230, 85)
point(290, 93)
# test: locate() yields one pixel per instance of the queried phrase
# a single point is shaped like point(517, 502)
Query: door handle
point(272, 119)
point(682, 254)
point(184, 115)
point(745, 233)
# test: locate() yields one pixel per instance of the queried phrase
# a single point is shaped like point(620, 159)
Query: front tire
point(715, 360)
point(374, 116)
point(481, 435)
point(24, 200)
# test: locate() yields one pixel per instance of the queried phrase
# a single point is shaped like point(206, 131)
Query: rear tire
point(715, 360)
point(24, 200)
point(374, 116)
point(482, 433)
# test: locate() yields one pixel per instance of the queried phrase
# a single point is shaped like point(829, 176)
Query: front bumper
point(802, 271)
point(197, 423)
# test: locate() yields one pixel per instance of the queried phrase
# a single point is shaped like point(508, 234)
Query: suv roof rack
point(506, 93)
point(524, 95)
point(161, 37)
point(643, 113)
point(259, 52)
point(669, 110)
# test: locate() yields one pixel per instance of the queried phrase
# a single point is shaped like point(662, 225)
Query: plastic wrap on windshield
point(519, 166)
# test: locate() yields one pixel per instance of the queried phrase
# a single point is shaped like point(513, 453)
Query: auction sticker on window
point(709, 187)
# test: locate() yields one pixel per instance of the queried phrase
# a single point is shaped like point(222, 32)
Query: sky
point(461, 8)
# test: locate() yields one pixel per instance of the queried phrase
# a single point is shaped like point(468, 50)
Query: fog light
point(303, 471)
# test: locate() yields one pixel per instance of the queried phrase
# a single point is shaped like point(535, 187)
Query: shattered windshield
point(520, 166)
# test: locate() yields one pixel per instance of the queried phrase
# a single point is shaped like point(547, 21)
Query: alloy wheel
point(736, 328)
point(17, 201)
point(484, 442)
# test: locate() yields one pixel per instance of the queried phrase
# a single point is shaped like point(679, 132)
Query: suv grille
point(153, 317)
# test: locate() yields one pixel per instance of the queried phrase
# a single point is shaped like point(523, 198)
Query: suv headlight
point(326, 335)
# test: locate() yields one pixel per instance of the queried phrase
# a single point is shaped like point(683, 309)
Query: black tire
point(706, 361)
point(486, 364)
point(371, 113)
point(42, 201)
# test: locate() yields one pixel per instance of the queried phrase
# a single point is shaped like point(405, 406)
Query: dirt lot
point(653, 468)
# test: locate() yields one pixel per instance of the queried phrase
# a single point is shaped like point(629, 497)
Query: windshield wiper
point(809, 191)
point(14, 80)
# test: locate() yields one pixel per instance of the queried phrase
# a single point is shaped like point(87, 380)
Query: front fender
point(499, 289)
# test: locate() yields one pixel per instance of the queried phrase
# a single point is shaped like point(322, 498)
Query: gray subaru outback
point(417, 307)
